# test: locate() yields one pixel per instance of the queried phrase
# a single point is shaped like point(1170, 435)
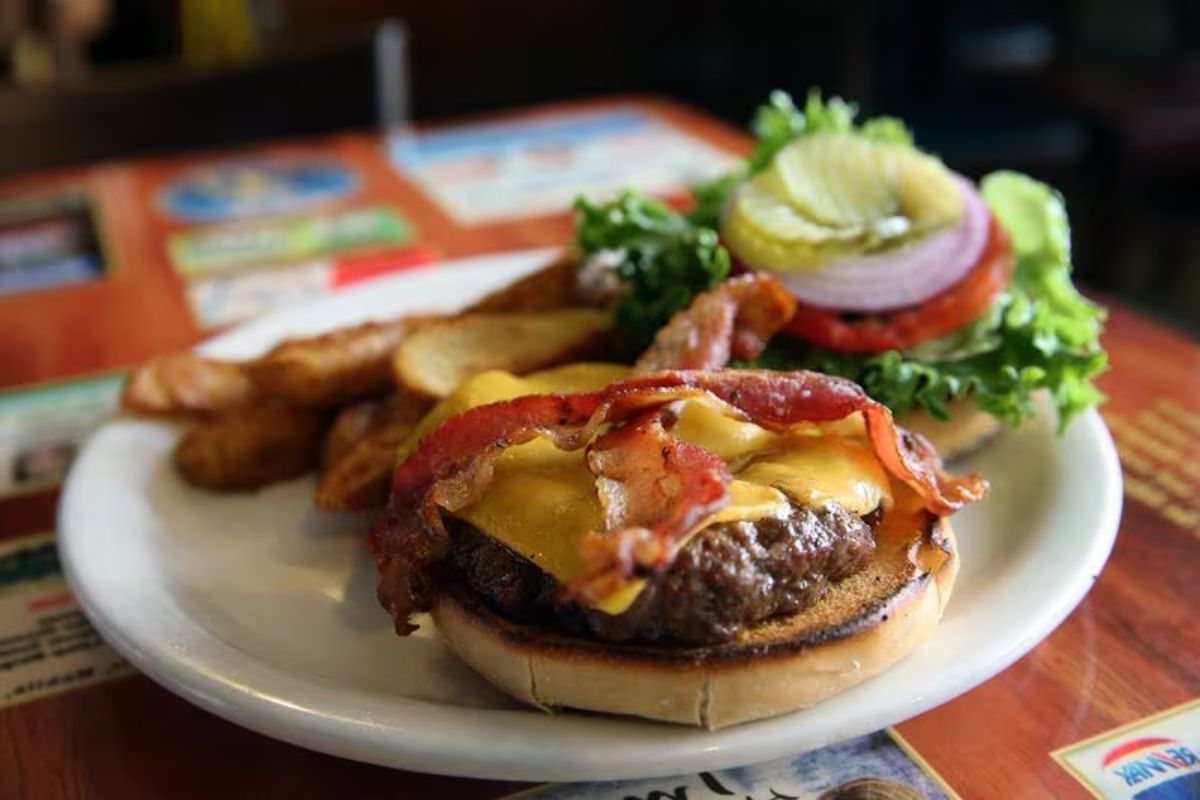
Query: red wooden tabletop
point(1131, 648)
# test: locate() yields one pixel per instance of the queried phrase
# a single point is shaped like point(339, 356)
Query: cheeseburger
point(700, 546)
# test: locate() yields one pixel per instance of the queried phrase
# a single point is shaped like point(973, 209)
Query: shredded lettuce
point(1038, 334)
point(665, 258)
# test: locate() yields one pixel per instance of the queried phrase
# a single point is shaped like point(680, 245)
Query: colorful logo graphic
point(1154, 768)
point(1156, 758)
point(247, 187)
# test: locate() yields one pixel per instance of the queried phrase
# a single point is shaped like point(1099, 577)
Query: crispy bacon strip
point(452, 467)
point(734, 319)
point(653, 487)
point(779, 399)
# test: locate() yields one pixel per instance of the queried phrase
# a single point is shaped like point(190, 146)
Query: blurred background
point(1100, 98)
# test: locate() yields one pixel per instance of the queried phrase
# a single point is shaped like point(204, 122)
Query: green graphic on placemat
point(223, 248)
point(42, 427)
point(26, 564)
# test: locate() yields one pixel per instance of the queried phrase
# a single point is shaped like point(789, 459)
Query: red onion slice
point(901, 277)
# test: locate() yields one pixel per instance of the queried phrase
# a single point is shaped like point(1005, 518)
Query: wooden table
point(1132, 647)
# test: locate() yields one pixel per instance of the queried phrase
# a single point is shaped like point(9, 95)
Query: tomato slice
point(939, 315)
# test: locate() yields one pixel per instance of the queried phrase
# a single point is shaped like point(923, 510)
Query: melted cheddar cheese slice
point(542, 501)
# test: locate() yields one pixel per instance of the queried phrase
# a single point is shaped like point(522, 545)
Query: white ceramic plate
point(262, 610)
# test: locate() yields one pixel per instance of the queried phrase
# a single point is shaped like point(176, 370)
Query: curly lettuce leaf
point(1040, 334)
point(708, 199)
point(665, 259)
point(980, 336)
point(779, 122)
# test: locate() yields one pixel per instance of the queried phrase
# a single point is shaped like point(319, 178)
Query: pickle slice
point(830, 195)
point(838, 180)
point(929, 195)
point(764, 229)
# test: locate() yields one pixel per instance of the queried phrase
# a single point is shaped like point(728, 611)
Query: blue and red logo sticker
point(1153, 759)
point(1155, 767)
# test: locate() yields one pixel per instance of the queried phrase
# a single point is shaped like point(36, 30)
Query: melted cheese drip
point(542, 500)
point(819, 470)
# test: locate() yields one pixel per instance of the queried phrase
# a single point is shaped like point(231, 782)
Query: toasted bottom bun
point(861, 627)
point(966, 432)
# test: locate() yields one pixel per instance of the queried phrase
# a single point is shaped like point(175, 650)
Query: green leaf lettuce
point(665, 259)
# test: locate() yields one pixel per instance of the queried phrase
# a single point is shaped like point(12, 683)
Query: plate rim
point(441, 749)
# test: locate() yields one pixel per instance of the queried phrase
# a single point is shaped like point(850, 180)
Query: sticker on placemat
point(229, 298)
point(210, 250)
point(42, 427)
point(879, 765)
point(47, 646)
point(1156, 758)
point(48, 240)
point(509, 170)
point(246, 187)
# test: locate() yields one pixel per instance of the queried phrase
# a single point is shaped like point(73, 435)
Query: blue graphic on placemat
point(1155, 768)
point(48, 240)
point(254, 187)
point(872, 766)
point(504, 170)
point(49, 274)
point(500, 139)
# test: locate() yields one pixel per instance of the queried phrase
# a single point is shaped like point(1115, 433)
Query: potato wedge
point(186, 384)
point(552, 287)
point(437, 358)
point(357, 474)
point(333, 369)
point(251, 447)
point(350, 425)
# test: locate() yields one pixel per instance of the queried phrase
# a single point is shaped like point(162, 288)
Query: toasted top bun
point(966, 432)
point(862, 626)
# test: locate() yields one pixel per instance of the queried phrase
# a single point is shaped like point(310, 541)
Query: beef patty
point(730, 576)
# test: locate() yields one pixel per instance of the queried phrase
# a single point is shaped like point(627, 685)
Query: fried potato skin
point(333, 369)
point(251, 447)
point(552, 287)
point(436, 359)
point(187, 384)
point(324, 371)
point(268, 419)
point(360, 452)
point(349, 426)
